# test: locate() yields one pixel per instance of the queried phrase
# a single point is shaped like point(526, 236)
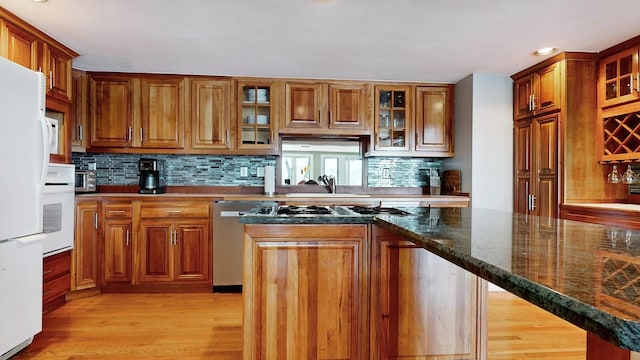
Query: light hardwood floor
point(208, 326)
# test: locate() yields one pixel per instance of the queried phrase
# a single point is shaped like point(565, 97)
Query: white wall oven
point(58, 210)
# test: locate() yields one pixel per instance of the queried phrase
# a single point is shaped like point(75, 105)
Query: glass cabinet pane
point(384, 137)
point(625, 85)
point(398, 99)
point(256, 94)
point(256, 115)
point(626, 65)
point(611, 90)
point(398, 119)
point(385, 99)
point(398, 138)
point(385, 116)
point(263, 136)
point(248, 135)
point(392, 122)
point(611, 70)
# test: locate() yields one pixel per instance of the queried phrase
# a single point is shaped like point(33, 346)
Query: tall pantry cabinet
point(555, 132)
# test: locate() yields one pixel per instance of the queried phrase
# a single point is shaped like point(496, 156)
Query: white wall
point(484, 140)
point(484, 143)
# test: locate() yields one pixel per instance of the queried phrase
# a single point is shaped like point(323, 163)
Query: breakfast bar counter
point(587, 274)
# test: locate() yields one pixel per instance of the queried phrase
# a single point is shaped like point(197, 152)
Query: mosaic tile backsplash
point(217, 170)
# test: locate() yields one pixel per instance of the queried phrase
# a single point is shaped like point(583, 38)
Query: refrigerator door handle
point(31, 238)
point(45, 148)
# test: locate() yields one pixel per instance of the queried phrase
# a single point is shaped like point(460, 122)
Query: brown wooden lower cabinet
point(335, 292)
point(422, 306)
point(175, 251)
point(56, 279)
point(141, 246)
point(84, 261)
point(117, 243)
point(306, 292)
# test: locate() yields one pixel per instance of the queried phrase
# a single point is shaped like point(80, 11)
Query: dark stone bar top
point(585, 273)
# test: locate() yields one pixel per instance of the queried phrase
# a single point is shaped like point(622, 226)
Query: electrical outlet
point(92, 166)
point(260, 171)
point(244, 171)
point(385, 173)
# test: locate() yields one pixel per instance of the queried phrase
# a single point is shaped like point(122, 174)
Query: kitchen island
point(584, 273)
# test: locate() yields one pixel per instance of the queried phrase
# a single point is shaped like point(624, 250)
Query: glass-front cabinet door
point(256, 115)
point(619, 78)
point(393, 118)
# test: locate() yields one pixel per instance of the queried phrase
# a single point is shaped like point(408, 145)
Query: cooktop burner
point(303, 210)
point(375, 210)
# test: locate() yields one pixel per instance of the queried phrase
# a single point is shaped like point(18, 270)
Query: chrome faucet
point(330, 181)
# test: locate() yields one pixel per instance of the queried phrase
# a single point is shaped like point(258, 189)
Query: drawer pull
point(116, 211)
point(47, 272)
point(174, 211)
point(46, 293)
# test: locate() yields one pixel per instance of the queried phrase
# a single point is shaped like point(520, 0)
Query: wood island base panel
point(566, 267)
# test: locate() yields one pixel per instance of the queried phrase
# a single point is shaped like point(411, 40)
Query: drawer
point(117, 211)
point(56, 265)
point(175, 210)
point(56, 287)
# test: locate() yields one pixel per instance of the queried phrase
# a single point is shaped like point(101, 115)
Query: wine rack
point(621, 137)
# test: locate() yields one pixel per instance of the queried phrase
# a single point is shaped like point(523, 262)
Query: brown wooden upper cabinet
point(434, 120)
point(25, 45)
point(111, 111)
point(258, 114)
point(31, 48)
point(619, 78)
point(619, 108)
point(393, 118)
point(413, 120)
point(57, 68)
point(335, 108)
point(537, 93)
point(79, 110)
point(209, 112)
point(136, 112)
point(162, 112)
point(19, 45)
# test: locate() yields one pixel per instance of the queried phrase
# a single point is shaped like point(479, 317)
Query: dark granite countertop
point(585, 273)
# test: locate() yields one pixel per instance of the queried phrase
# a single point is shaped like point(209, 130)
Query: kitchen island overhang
point(475, 246)
point(552, 263)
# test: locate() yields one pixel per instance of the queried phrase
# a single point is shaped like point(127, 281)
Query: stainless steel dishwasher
point(228, 235)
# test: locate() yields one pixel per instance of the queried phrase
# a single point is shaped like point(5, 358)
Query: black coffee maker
point(152, 177)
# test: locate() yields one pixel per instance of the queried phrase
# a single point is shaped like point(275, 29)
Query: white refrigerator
point(24, 157)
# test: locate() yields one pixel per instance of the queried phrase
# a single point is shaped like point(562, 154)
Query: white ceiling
point(408, 40)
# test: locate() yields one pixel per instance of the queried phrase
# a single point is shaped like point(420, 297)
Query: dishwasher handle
point(230, 213)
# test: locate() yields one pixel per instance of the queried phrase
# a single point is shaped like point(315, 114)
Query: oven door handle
point(59, 189)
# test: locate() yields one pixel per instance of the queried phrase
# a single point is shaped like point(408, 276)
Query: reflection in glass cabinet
point(256, 111)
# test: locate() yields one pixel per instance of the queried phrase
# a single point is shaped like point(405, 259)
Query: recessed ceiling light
point(545, 51)
point(39, 1)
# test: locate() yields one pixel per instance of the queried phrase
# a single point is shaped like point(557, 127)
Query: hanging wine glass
point(629, 177)
point(614, 176)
